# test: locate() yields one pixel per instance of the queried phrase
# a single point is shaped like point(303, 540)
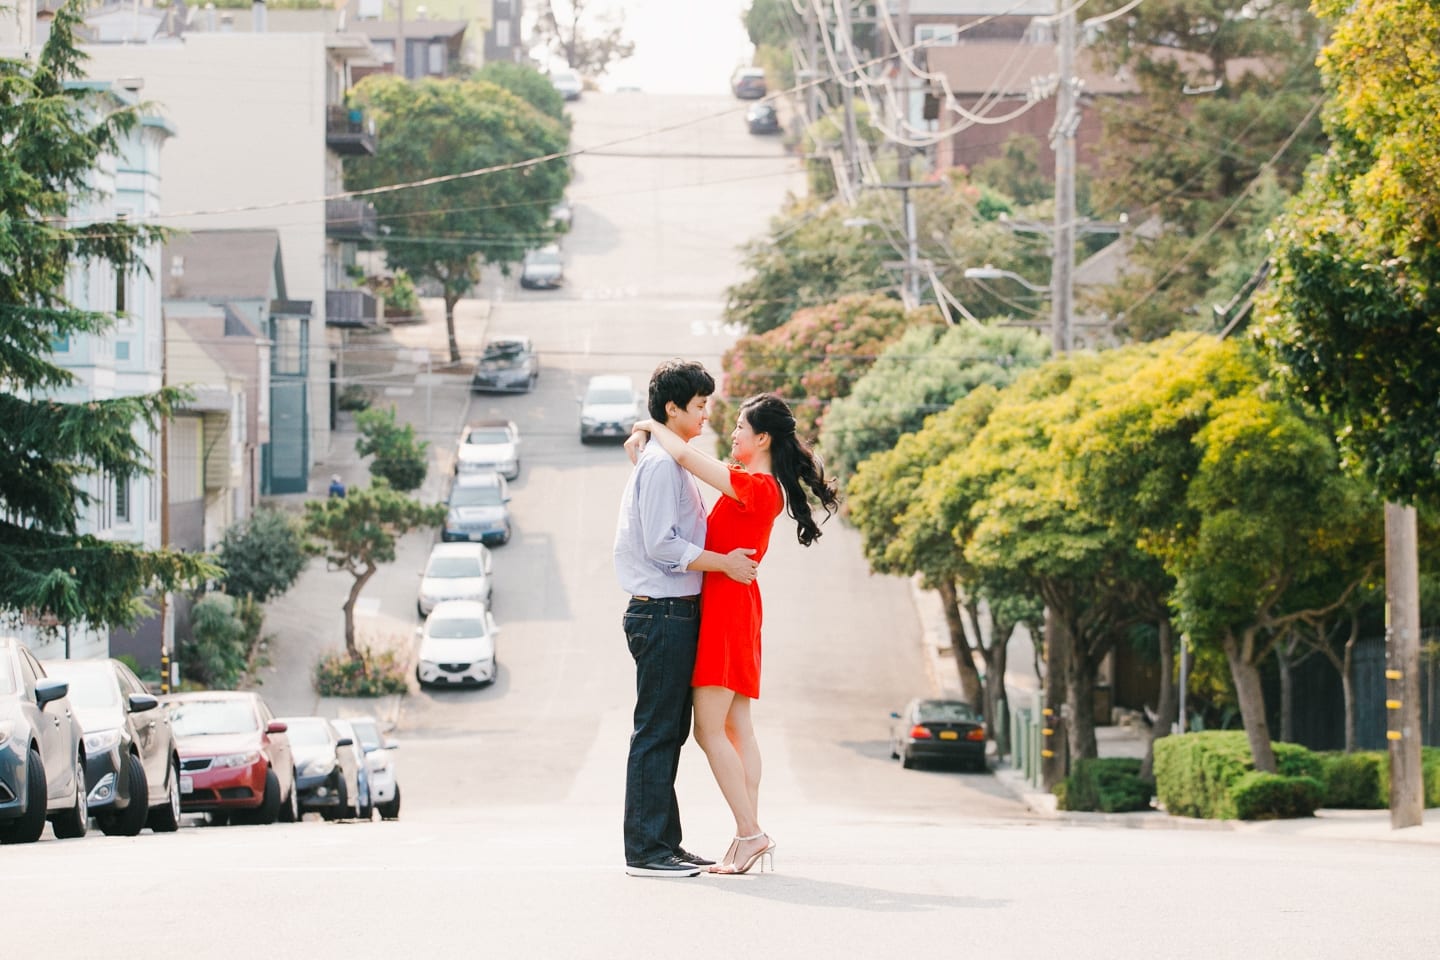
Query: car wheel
point(391, 810)
point(166, 817)
point(506, 539)
point(29, 825)
point(419, 610)
point(290, 809)
point(71, 824)
point(219, 818)
point(269, 810)
point(419, 679)
point(130, 821)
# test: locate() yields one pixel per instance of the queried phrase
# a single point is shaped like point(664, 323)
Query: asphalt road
point(509, 842)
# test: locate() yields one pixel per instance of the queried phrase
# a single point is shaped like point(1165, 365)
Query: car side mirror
point(344, 742)
point(141, 702)
point(276, 726)
point(50, 690)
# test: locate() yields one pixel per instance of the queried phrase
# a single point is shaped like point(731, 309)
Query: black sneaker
point(664, 867)
point(685, 855)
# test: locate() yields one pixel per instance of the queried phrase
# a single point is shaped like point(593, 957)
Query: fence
point(1318, 714)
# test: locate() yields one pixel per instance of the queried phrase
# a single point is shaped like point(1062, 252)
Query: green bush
point(1352, 780)
point(1271, 796)
point(353, 397)
point(374, 674)
point(398, 456)
point(1429, 773)
point(225, 633)
point(1195, 774)
point(1108, 784)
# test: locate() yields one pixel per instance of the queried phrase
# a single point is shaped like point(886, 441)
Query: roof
point(229, 264)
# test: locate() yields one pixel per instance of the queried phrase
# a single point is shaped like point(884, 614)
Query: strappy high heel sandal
point(764, 856)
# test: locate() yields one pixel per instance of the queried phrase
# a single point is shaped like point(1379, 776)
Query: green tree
point(356, 533)
point(261, 556)
point(56, 133)
point(587, 40)
point(813, 358)
point(224, 631)
point(528, 84)
point(1211, 165)
point(400, 459)
point(491, 210)
point(925, 371)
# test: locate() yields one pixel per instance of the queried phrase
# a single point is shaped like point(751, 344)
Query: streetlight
point(988, 272)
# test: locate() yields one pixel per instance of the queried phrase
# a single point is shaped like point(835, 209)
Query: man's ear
point(671, 410)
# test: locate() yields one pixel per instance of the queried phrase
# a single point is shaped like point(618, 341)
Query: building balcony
point(349, 132)
point(351, 308)
point(351, 220)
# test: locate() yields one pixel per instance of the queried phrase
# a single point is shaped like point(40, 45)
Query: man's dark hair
point(679, 381)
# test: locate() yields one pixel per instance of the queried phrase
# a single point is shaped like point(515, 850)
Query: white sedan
point(456, 571)
point(457, 645)
point(489, 445)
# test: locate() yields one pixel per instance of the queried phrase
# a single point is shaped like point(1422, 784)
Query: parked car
point(543, 268)
point(949, 731)
point(235, 757)
point(491, 445)
point(479, 509)
point(132, 767)
point(562, 215)
point(506, 364)
point(568, 83)
point(380, 761)
point(350, 745)
point(326, 772)
point(456, 571)
point(608, 408)
point(748, 83)
point(457, 645)
point(42, 751)
point(762, 118)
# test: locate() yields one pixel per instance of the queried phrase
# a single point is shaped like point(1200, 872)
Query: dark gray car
point(132, 768)
point(326, 771)
point(42, 758)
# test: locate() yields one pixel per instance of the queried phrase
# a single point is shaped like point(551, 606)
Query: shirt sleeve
point(658, 498)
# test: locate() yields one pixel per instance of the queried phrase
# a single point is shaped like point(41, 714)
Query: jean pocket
point(639, 628)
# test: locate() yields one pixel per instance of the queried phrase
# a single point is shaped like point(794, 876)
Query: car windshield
point(945, 711)
point(447, 567)
point(476, 496)
point(91, 687)
point(602, 395)
point(307, 733)
point(488, 436)
point(449, 629)
point(7, 675)
point(195, 718)
point(368, 733)
point(503, 351)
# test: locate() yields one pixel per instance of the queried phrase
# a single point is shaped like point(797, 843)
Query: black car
point(762, 118)
point(748, 83)
point(132, 767)
point(42, 756)
point(326, 772)
point(506, 364)
point(944, 731)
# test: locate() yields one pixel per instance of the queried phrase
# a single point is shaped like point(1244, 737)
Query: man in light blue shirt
point(660, 556)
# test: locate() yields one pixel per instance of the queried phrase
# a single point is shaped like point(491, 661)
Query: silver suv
point(609, 408)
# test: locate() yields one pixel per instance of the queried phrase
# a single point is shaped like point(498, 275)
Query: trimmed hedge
point(1353, 781)
point(1429, 775)
point(1108, 784)
point(1269, 796)
point(1196, 775)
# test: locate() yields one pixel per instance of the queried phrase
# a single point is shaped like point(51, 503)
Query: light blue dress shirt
point(661, 529)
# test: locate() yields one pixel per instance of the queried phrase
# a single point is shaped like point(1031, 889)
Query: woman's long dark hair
point(795, 465)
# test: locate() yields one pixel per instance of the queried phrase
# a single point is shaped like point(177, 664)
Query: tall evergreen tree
point(53, 137)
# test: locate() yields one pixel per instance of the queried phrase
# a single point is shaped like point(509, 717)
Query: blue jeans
point(662, 634)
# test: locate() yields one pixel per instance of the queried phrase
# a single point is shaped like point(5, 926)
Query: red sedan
point(235, 758)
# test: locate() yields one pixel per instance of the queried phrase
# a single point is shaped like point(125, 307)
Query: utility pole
point(1402, 666)
point(846, 34)
point(812, 65)
point(1058, 642)
point(400, 58)
point(912, 252)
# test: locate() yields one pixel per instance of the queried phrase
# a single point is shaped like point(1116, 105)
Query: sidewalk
point(407, 367)
point(1129, 741)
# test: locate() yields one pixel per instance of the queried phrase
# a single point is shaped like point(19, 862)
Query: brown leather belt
point(693, 596)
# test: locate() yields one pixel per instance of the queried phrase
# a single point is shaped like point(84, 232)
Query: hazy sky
point(682, 46)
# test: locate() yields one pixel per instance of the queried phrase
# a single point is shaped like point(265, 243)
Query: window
point(60, 343)
point(288, 353)
point(122, 291)
point(104, 504)
point(436, 65)
point(122, 500)
point(122, 349)
point(502, 33)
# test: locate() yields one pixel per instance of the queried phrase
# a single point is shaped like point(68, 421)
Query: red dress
point(728, 654)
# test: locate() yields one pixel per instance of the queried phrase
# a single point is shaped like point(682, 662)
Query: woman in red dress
point(774, 470)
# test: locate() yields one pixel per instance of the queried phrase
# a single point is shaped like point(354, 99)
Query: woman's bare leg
point(712, 710)
point(741, 734)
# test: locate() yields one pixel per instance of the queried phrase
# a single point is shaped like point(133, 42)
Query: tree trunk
point(996, 703)
point(1287, 693)
point(1347, 688)
point(450, 301)
point(1080, 698)
point(1053, 765)
point(1168, 707)
point(960, 644)
point(1252, 702)
point(355, 588)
